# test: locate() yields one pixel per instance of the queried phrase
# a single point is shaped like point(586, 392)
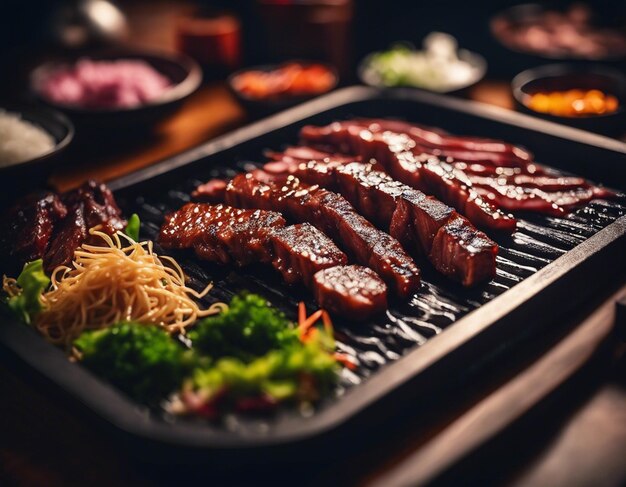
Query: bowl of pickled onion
point(117, 88)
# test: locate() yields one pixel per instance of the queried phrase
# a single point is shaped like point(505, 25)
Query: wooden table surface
point(579, 438)
point(41, 445)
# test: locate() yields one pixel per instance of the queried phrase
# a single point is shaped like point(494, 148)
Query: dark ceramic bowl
point(507, 59)
point(263, 106)
point(561, 77)
point(26, 175)
point(474, 59)
point(182, 71)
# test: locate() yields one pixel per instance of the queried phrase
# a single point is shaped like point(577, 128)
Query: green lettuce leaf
point(133, 226)
point(33, 281)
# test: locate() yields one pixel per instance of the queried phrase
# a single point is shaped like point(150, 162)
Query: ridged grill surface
point(538, 241)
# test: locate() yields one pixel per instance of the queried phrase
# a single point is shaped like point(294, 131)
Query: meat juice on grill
point(332, 214)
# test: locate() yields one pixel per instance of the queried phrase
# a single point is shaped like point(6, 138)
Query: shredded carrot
point(328, 324)
point(309, 335)
point(308, 331)
point(301, 313)
point(310, 321)
point(345, 360)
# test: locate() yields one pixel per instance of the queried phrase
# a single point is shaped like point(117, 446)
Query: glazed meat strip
point(333, 215)
point(424, 172)
point(221, 233)
point(419, 222)
point(91, 205)
point(52, 227)
point(470, 149)
point(362, 284)
point(510, 187)
point(511, 183)
point(26, 229)
point(301, 253)
point(302, 250)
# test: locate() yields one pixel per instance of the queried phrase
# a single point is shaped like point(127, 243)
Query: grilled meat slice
point(302, 250)
point(26, 229)
point(474, 175)
point(413, 218)
point(332, 214)
point(470, 149)
point(99, 204)
point(91, 205)
point(69, 234)
point(421, 171)
point(352, 291)
point(464, 253)
point(301, 253)
point(221, 233)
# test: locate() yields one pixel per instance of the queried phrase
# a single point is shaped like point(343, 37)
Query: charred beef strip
point(302, 250)
point(26, 229)
point(510, 180)
point(88, 206)
point(419, 222)
point(367, 291)
point(221, 233)
point(424, 172)
point(332, 214)
point(224, 234)
point(469, 149)
point(52, 228)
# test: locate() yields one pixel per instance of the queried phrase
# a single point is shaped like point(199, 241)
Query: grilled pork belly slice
point(353, 291)
point(332, 214)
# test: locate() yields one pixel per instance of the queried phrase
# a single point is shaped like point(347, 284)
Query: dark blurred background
point(355, 28)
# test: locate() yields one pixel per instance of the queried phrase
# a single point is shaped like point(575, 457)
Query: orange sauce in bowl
point(572, 103)
point(292, 79)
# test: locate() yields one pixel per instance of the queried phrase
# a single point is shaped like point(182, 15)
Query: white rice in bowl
point(21, 140)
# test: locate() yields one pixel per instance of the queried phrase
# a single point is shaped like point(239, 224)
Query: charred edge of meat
point(91, 205)
point(332, 214)
point(302, 250)
point(27, 227)
point(353, 291)
point(411, 217)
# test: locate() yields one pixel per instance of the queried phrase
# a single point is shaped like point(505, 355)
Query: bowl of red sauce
point(587, 97)
point(275, 87)
point(117, 89)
